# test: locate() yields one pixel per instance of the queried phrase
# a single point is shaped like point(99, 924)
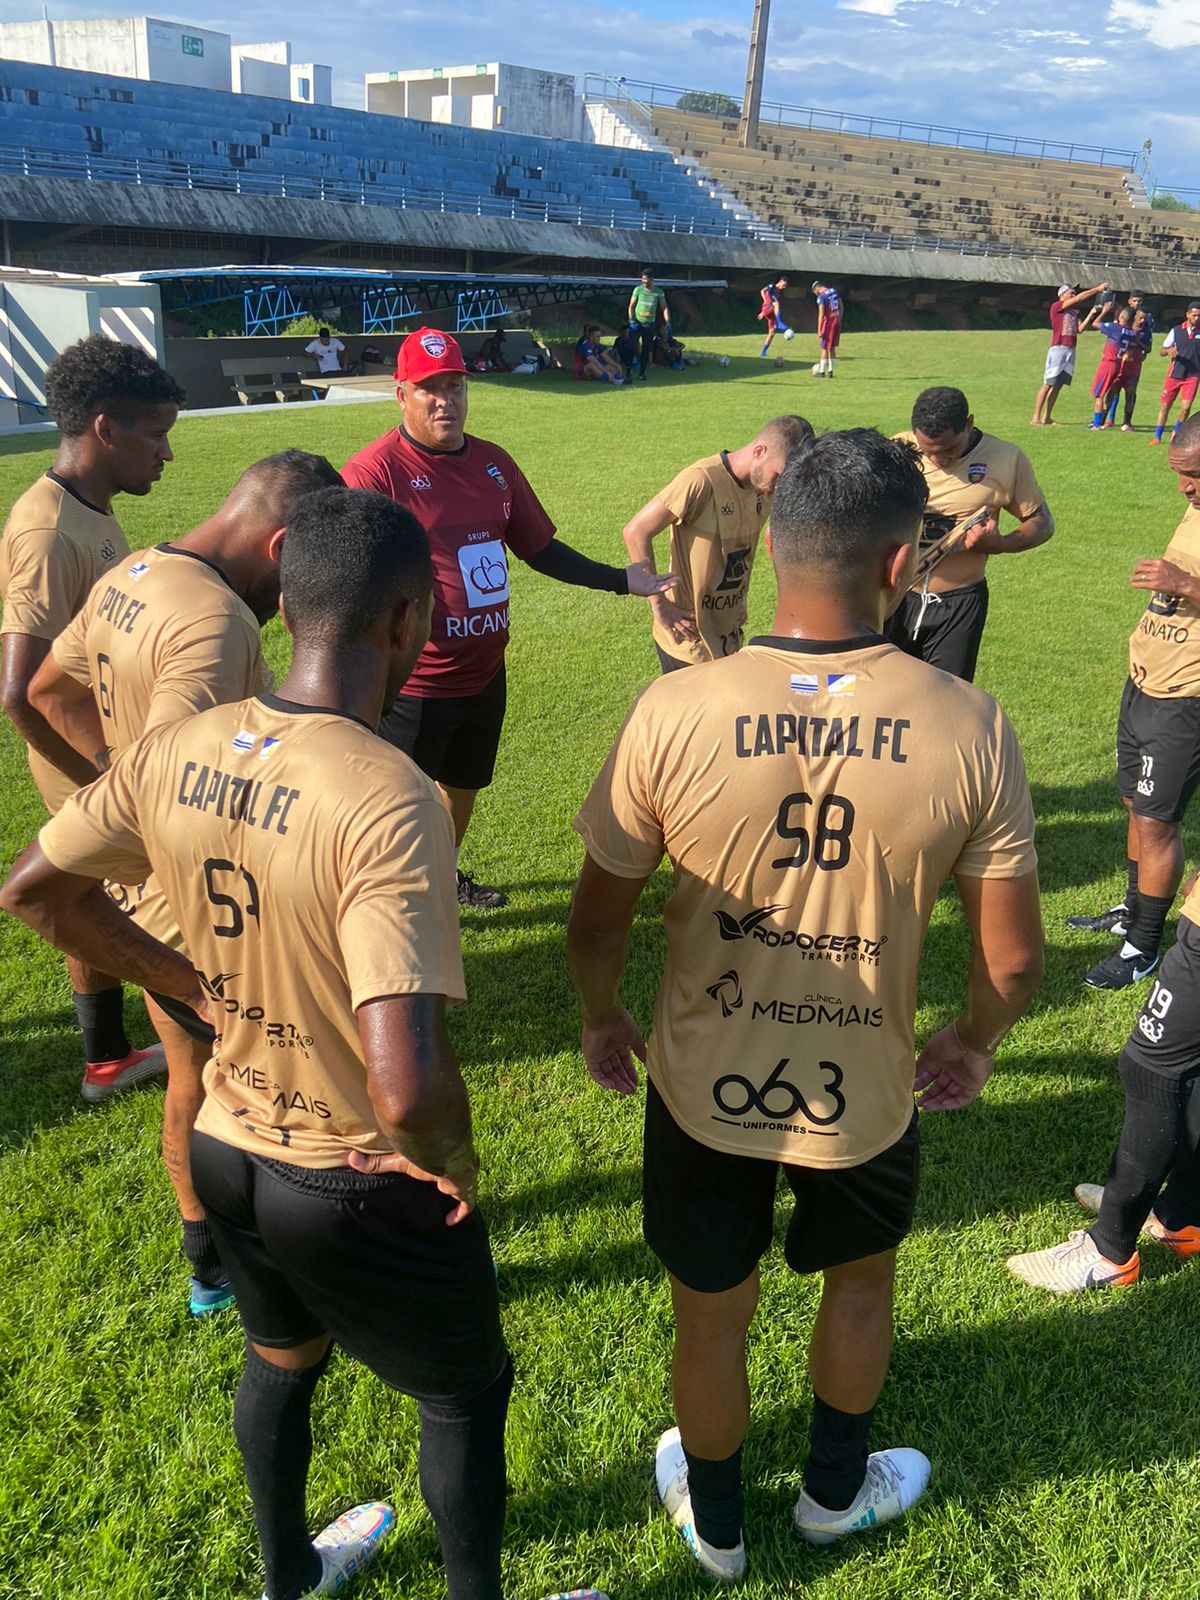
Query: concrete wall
point(319, 80)
point(253, 74)
point(38, 320)
point(63, 204)
point(488, 94)
point(28, 41)
point(191, 55)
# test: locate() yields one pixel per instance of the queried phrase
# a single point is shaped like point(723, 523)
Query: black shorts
point(1166, 1036)
point(709, 1216)
point(669, 663)
point(1158, 753)
point(366, 1259)
point(195, 1027)
point(452, 741)
point(949, 633)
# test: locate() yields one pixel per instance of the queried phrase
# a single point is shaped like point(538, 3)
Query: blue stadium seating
point(84, 116)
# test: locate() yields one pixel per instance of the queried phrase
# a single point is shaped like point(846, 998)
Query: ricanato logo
point(728, 991)
point(488, 576)
point(484, 569)
point(833, 947)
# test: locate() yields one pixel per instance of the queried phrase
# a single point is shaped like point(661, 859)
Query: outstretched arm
point(559, 560)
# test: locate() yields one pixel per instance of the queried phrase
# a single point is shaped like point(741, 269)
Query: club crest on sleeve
point(493, 471)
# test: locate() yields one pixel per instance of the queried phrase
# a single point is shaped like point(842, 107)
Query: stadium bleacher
point(71, 119)
point(800, 177)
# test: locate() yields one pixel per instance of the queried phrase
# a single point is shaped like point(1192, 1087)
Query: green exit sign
point(480, 69)
point(437, 72)
point(191, 44)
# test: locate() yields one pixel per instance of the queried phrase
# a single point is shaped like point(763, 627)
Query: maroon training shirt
point(474, 504)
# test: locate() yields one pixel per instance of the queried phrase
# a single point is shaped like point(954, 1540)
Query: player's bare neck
point(818, 616)
point(85, 478)
point(346, 678)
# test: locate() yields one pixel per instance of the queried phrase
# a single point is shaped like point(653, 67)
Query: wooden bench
point(251, 378)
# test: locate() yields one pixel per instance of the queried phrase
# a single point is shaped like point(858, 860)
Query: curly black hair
point(939, 411)
point(98, 374)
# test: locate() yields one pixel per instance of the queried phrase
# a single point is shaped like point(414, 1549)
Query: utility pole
point(748, 127)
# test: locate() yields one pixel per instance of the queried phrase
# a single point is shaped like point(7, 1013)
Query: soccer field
point(1065, 1437)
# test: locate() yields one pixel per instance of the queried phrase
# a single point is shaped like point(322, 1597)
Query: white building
point(489, 94)
point(167, 52)
point(269, 69)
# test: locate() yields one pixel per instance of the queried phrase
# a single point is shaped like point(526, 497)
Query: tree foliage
point(708, 104)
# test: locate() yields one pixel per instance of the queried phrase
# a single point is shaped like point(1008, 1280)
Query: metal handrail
point(380, 190)
point(928, 133)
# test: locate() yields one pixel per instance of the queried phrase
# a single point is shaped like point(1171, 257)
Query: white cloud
point(873, 8)
point(1168, 23)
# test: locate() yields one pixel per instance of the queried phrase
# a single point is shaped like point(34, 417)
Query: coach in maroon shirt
point(476, 505)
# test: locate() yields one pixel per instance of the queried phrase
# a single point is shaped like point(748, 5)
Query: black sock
point(1144, 930)
point(464, 1485)
point(101, 1019)
point(836, 1468)
point(718, 1503)
point(1151, 1136)
point(271, 1424)
point(201, 1251)
point(1131, 888)
point(1178, 1206)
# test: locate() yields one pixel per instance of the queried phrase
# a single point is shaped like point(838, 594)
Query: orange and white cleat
point(1181, 1242)
point(1073, 1266)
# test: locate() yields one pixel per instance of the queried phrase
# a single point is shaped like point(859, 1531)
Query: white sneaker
point(1073, 1266)
point(670, 1473)
point(349, 1543)
point(896, 1479)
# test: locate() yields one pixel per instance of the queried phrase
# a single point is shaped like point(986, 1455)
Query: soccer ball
point(789, 333)
point(779, 361)
point(722, 361)
point(816, 371)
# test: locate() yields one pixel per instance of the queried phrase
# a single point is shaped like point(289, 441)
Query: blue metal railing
point(383, 190)
point(650, 95)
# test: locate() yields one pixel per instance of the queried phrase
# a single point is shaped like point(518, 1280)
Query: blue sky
point(1112, 72)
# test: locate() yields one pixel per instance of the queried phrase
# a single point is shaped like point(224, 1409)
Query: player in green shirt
point(645, 305)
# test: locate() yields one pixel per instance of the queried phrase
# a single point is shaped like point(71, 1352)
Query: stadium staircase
point(801, 178)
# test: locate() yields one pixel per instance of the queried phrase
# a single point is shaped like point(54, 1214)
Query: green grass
point(1064, 1437)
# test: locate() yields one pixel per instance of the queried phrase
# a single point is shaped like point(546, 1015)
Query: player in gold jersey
point(168, 632)
point(114, 406)
point(715, 510)
point(972, 477)
point(812, 794)
point(310, 867)
point(1158, 736)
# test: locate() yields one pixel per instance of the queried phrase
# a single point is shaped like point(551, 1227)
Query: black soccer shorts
point(709, 1215)
point(452, 741)
point(947, 634)
point(367, 1259)
point(1158, 753)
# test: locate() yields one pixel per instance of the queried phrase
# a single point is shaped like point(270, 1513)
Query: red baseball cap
point(426, 351)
